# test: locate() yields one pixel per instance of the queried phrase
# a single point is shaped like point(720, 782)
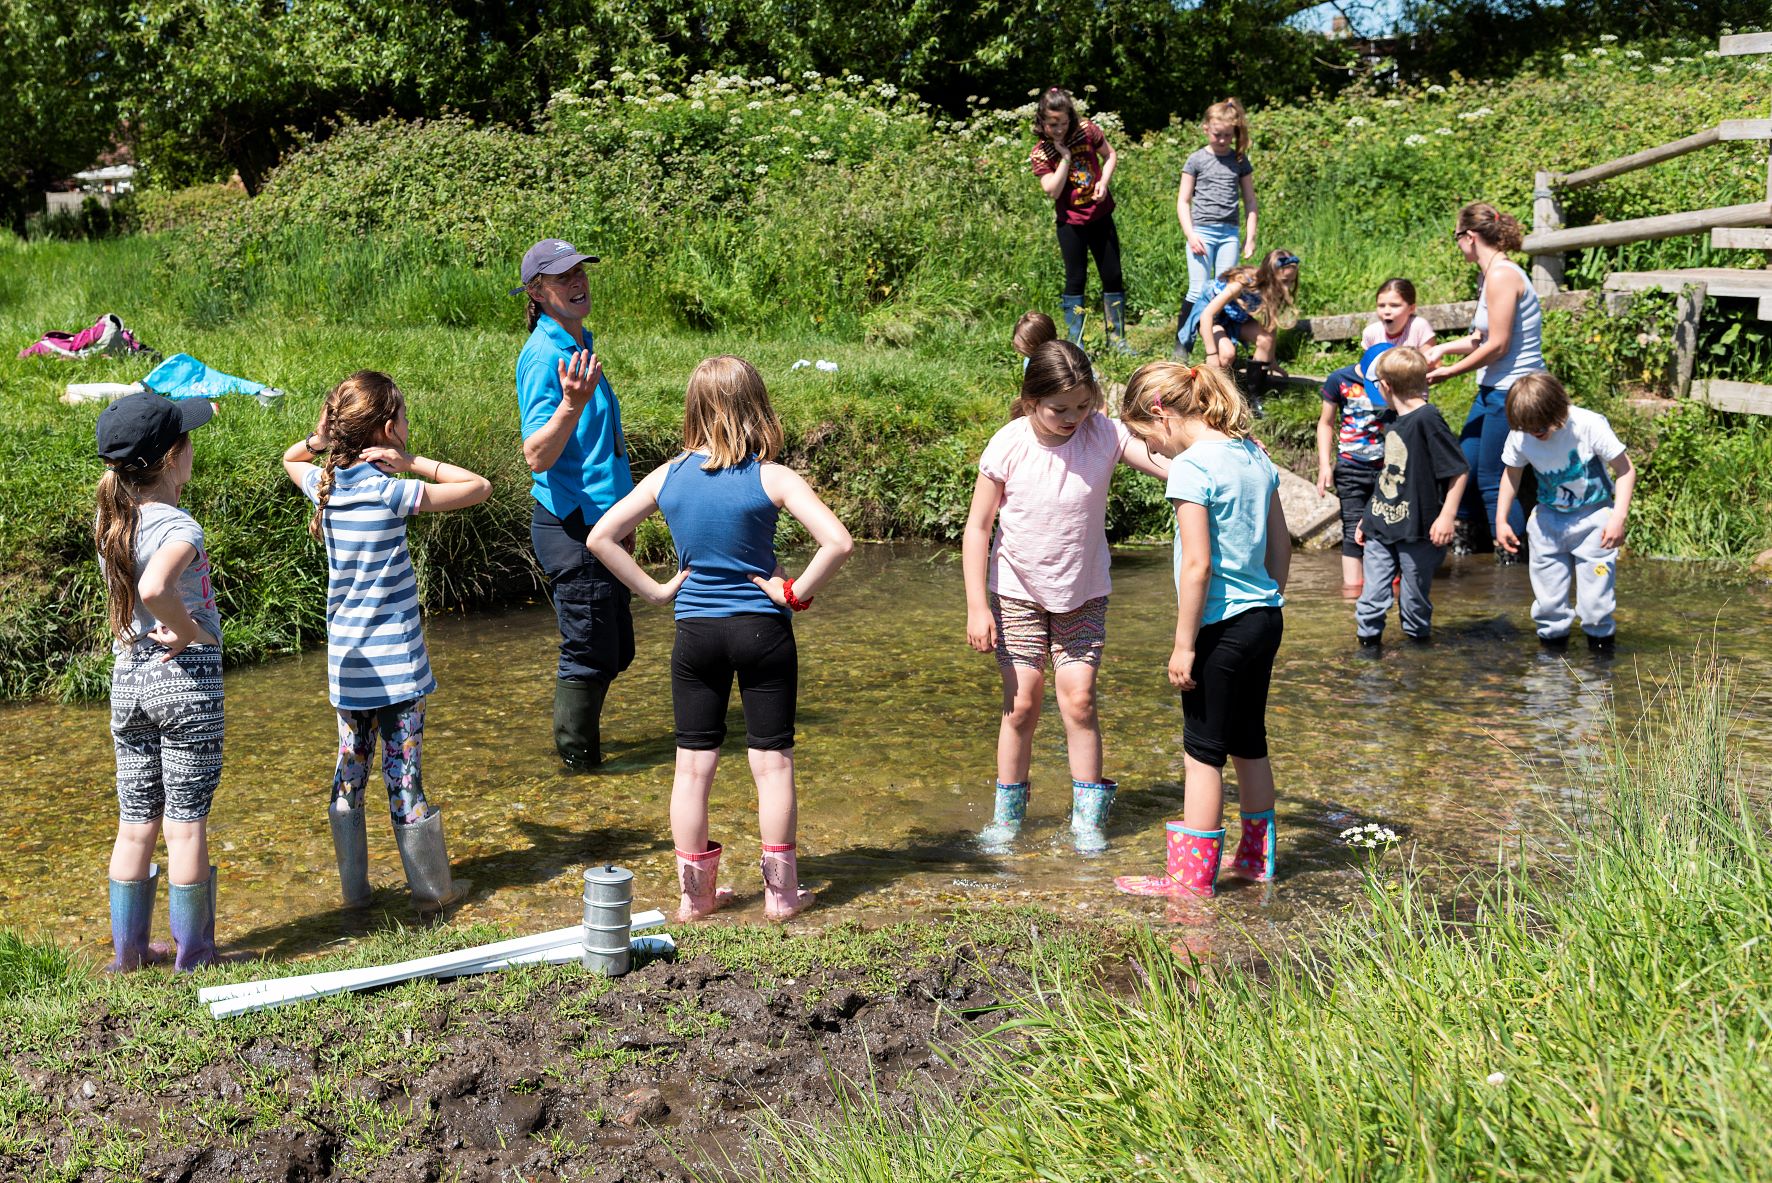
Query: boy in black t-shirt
point(1409, 520)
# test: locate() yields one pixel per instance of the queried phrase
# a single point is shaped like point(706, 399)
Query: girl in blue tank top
point(735, 604)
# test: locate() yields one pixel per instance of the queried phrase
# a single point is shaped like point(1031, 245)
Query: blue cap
point(1366, 368)
point(550, 256)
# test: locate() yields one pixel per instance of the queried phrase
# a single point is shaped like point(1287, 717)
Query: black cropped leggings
point(1077, 243)
point(709, 652)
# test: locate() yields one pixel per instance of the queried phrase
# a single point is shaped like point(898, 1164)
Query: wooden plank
point(1765, 309)
point(1754, 213)
point(1745, 129)
point(1721, 281)
point(1741, 398)
point(1636, 160)
point(1741, 238)
point(1347, 326)
point(1688, 308)
point(1744, 43)
point(1547, 214)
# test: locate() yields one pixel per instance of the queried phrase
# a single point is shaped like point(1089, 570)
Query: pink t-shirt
point(1417, 334)
point(1051, 546)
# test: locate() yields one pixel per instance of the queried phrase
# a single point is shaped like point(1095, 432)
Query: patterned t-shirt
point(1571, 462)
point(375, 642)
point(1076, 201)
point(161, 525)
point(1361, 435)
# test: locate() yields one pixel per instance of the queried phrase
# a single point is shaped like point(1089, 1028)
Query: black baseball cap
point(137, 430)
point(550, 256)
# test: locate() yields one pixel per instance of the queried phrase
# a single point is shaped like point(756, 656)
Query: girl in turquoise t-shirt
point(1232, 555)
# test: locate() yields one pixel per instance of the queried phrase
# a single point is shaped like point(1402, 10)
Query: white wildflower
point(1034, 93)
point(1371, 835)
point(971, 98)
point(1393, 102)
point(766, 80)
point(1414, 141)
point(1633, 53)
point(755, 105)
point(1090, 89)
point(1599, 52)
point(1711, 53)
point(698, 105)
point(959, 125)
point(1660, 70)
point(1436, 88)
point(809, 75)
point(999, 141)
point(1357, 121)
point(1497, 1078)
point(762, 169)
point(1667, 61)
point(1442, 131)
point(1608, 37)
point(795, 113)
point(1568, 57)
point(888, 91)
point(854, 79)
point(814, 140)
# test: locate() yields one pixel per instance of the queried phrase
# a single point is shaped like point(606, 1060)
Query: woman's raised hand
point(579, 378)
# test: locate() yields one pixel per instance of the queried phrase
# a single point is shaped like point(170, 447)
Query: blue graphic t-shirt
point(1571, 462)
point(1361, 435)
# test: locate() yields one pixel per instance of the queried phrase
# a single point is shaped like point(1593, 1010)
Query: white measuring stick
point(223, 1000)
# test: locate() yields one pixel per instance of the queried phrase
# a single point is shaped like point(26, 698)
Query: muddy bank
point(536, 1074)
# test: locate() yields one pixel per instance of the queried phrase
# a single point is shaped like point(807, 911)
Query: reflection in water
point(1449, 745)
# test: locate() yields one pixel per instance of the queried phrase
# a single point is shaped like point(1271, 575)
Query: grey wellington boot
point(350, 846)
point(192, 908)
point(426, 858)
point(578, 721)
point(132, 918)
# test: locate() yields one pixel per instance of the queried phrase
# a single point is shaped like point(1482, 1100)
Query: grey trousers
point(1566, 549)
point(1384, 561)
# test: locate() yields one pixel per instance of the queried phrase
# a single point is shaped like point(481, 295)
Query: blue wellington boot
point(1073, 318)
point(132, 918)
point(1090, 801)
point(192, 906)
point(1006, 818)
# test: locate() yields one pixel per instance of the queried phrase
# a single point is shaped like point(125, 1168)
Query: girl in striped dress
point(376, 667)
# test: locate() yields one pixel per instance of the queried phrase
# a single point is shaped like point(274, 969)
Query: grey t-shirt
point(161, 525)
point(1217, 182)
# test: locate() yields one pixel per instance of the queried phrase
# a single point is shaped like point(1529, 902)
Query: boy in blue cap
point(1350, 451)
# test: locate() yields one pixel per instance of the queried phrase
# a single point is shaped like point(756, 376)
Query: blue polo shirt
point(592, 473)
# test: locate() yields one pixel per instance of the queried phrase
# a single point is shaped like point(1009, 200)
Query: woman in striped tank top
point(377, 670)
point(721, 498)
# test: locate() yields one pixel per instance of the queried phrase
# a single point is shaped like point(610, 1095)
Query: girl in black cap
point(166, 684)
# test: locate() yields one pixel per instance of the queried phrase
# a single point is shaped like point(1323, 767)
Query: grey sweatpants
point(1383, 562)
point(1565, 548)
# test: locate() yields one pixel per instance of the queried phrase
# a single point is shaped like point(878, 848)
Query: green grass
point(1592, 1012)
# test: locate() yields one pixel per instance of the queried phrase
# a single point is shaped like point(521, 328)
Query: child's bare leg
point(1023, 689)
point(1260, 339)
point(689, 798)
point(1203, 796)
point(1074, 685)
point(1353, 572)
point(134, 850)
point(1255, 784)
point(1224, 348)
point(187, 851)
point(777, 817)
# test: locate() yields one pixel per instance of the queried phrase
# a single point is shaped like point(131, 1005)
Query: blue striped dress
point(375, 642)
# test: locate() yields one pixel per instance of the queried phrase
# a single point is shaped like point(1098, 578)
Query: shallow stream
point(1458, 747)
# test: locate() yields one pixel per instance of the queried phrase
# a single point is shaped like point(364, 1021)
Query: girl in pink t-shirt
point(1038, 590)
point(1397, 322)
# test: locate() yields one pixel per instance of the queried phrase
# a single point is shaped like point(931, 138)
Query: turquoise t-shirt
point(592, 473)
point(1235, 481)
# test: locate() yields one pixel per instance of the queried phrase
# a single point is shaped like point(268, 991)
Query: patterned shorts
point(166, 722)
point(1027, 633)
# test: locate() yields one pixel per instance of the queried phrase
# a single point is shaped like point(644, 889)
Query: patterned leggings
point(402, 728)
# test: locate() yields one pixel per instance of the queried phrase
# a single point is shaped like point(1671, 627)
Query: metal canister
point(608, 919)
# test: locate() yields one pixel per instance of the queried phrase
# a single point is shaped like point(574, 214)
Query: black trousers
point(596, 623)
point(1077, 243)
point(756, 648)
point(1354, 482)
point(1225, 714)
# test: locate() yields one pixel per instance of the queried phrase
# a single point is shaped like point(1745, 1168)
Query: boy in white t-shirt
point(1585, 482)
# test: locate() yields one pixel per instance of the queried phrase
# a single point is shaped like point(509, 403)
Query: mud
point(661, 1077)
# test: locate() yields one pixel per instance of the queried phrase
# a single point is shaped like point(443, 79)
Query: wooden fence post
point(1686, 312)
point(1547, 214)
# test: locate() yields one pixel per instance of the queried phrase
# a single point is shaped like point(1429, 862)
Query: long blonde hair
point(726, 413)
point(121, 492)
point(1231, 111)
point(356, 412)
point(1205, 393)
point(1278, 292)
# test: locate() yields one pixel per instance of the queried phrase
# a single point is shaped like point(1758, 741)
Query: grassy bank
point(1600, 1017)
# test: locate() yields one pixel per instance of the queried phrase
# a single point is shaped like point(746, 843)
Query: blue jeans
point(1482, 438)
point(1221, 255)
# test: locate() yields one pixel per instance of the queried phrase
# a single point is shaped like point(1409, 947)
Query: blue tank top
point(723, 526)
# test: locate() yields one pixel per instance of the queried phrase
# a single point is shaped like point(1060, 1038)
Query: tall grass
point(1598, 1013)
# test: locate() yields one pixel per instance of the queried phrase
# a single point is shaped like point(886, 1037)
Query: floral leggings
point(402, 728)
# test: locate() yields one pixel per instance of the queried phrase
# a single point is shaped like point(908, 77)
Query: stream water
point(1457, 747)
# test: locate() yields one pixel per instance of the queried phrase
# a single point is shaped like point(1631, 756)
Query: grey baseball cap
point(550, 256)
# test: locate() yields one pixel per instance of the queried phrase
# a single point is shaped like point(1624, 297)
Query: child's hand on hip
point(981, 630)
point(1181, 668)
point(1612, 537)
point(664, 593)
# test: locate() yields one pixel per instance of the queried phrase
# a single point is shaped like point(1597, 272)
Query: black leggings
point(1077, 243)
point(1226, 711)
point(760, 650)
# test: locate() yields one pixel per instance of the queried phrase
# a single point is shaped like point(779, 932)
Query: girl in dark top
point(1075, 165)
point(721, 498)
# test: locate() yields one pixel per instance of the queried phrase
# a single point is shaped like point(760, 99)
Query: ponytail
point(531, 315)
point(1500, 230)
point(1205, 393)
point(114, 531)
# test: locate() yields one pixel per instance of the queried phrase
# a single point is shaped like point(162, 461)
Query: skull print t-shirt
point(1421, 457)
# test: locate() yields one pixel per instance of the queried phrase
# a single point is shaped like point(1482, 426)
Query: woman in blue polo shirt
point(573, 444)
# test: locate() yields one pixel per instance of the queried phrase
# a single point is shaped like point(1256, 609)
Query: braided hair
point(357, 410)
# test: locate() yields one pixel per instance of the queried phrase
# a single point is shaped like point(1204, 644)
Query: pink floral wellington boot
point(1256, 850)
point(782, 894)
point(1192, 865)
point(698, 875)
